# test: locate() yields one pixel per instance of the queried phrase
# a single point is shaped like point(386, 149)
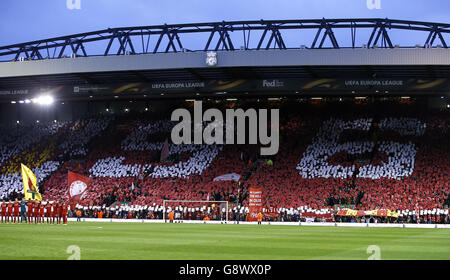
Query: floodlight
point(43, 100)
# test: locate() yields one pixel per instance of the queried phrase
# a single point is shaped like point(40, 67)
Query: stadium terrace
point(376, 165)
point(163, 130)
point(214, 131)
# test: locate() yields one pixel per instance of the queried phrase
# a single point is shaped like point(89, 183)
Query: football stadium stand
point(363, 158)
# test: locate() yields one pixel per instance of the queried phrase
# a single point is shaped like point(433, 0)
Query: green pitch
point(218, 242)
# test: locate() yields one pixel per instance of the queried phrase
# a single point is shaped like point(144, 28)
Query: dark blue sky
point(26, 20)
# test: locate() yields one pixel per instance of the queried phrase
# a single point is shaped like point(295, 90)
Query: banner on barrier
point(359, 213)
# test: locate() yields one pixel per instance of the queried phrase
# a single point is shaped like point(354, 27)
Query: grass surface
point(218, 242)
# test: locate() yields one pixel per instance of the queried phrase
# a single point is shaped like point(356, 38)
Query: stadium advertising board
point(342, 86)
point(242, 85)
point(359, 213)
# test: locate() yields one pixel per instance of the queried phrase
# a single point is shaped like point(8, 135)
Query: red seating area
point(147, 190)
point(427, 188)
point(284, 187)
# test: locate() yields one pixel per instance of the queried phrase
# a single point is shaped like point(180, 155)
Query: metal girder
point(328, 33)
point(173, 37)
point(436, 32)
point(125, 43)
point(381, 32)
point(275, 36)
point(31, 53)
point(217, 36)
point(224, 42)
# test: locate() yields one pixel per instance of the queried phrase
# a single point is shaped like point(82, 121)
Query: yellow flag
point(392, 214)
point(30, 188)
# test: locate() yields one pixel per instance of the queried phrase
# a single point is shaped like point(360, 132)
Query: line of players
point(33, 211)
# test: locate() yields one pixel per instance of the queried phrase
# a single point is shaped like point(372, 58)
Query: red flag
point(164, 151)
point(78, 185)
point(255, 203)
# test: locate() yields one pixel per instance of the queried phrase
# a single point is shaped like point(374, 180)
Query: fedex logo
point(272, 84)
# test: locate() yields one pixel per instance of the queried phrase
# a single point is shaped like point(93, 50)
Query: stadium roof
point(163, 55)
point(233, 35)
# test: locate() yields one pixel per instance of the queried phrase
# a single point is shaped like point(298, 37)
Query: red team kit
point(33, 212)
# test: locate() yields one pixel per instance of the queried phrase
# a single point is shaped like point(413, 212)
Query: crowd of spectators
point(18, 138)
point(400, 162)
point(219, 212)
point(371, 162)
point(80, 134)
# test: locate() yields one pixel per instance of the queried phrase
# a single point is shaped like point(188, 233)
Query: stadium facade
point(109, 73)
